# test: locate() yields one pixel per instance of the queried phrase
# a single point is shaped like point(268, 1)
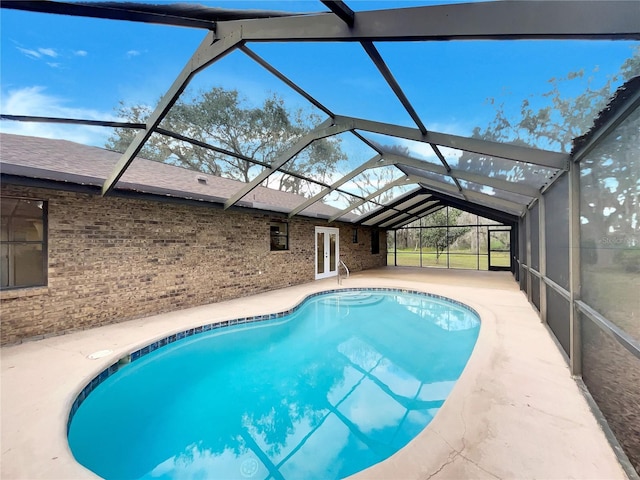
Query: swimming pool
point(337, 385)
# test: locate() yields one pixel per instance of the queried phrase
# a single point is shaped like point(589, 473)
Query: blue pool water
point(333, 388)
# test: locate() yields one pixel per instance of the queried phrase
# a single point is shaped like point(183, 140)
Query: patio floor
point(514, 413)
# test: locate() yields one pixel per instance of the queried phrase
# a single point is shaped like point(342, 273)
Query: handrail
point(346, 270)
point(345, 267)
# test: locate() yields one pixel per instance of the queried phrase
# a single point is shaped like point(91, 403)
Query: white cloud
point(133, 53)
point(29, 53)
point(34, 101)
point(451, 128)
point(418, 149)
point(41, 54)
point(49, 52)
point(81, 53)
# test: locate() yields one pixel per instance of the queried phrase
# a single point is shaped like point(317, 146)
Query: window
point(355, 236)
point(279, 236)
point(375, 241)
point(23, 243)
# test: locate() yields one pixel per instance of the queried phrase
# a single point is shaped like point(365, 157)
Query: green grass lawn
point(615, 295)
point(465, 260)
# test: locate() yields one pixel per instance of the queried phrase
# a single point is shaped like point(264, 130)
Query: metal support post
point(542, 249)
point(527, 219)
point(395, 248)
point(575, 343)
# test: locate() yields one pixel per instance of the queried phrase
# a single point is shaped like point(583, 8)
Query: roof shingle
point(62, 160)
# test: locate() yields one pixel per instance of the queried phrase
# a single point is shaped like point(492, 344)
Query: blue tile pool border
point(141, 352)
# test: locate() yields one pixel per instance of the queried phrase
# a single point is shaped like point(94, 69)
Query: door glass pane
point(500, 242)
point(332, 252)
point(320, 252)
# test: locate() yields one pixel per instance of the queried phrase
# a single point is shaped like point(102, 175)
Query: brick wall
point(114, 259)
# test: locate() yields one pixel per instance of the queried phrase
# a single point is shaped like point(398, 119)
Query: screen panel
point(535, 291)
point(408, 247)
point(534, 235)
point(558, 310)
point(612, 375)
point(557, 231)
point(610, 226)
point(522, 248)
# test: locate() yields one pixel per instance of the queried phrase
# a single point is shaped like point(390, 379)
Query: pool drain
point(249, 467)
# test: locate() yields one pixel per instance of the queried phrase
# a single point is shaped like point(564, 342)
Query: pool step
point(352, 299)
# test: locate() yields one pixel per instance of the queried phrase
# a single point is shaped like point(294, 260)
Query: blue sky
point(54, 65)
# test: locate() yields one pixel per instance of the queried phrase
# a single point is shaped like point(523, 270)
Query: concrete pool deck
point(514, 413)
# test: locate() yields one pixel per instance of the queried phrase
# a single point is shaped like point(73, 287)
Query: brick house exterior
point(115, 258)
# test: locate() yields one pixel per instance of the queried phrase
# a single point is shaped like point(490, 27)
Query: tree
point(223, 119)
point(553, 120)
point(441, 230)
point(550, 120)
point(376, 178)
point(372, 180)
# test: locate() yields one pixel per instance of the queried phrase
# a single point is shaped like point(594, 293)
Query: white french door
point(327, 252)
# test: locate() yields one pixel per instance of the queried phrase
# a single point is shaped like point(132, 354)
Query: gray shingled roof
point(65, 161)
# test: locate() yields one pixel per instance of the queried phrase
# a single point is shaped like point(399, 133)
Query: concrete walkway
point(515, 413)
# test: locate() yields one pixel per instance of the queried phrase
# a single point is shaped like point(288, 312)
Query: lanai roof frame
point(529, 19)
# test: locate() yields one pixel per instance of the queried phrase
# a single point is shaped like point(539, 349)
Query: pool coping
point(466, 439)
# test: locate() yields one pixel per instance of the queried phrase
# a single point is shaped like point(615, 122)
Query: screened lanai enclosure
point(453, 238)
point(485, 135)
